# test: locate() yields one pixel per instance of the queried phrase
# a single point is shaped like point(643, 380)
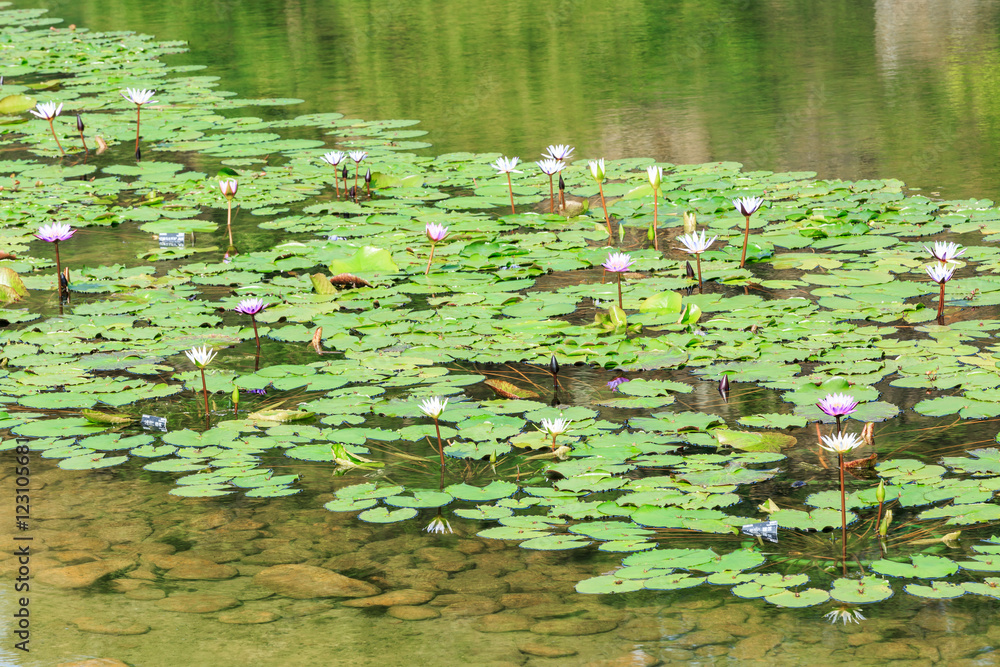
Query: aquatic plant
point(597, 171)
point(54, 233)
point(551, 167)
point(554, 428)
point(695, 245)
point(840, 444)
point(435, 234)
point(79, 128)
point(334, 158)
point(138, 98)
point(837, 406)
point(618, 263)
point(655, 174)
point(358, 157)
point(433, 407)
point(48, 111)
point(506, 165)
point(229, 188)
point(747, 206)
point(202, 357)
point(945, 251)
point(845, 615)
point(439, 525)
point(940, 273)
point(252, 307)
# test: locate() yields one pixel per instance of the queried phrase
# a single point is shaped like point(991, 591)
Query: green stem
point(656, 241)
point(229, 220)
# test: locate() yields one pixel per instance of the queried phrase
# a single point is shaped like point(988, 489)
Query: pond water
point(216, 542)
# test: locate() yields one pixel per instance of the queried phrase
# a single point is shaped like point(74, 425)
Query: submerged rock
point(573, 627)
point(303, 582)
point(197, 603)
point(81, 576)
point(110, 627)
point(407, 597)
point(248, 617)
point(407, 613)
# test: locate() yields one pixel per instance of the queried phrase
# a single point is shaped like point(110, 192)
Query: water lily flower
point(433, 407)
point(229, 188)
point(54, 233)
point(202, 357)
point(551, 166)
point(561, 152)
point(357, 156)
point(747, 206)
point(841, 443)
point(48, 111)
point(837, 405)
point(655, 174)
point(138, 98)
point(334, 158)
point(439, 525)
point(506, 165)
point(435, 234)
point(614, 384)
point(695, 244)
point(940, 273)
point(618, 263)
point(555, 427)
point(846, 615)
point(250, 306)
point(945, 251)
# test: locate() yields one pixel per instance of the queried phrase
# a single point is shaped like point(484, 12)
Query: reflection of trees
point(771, 84)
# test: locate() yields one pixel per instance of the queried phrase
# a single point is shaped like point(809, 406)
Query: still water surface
point(889, 89)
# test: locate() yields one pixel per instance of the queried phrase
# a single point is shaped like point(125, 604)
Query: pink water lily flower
point(250, 306)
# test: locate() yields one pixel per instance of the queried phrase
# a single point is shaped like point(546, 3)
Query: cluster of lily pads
point(362, 326)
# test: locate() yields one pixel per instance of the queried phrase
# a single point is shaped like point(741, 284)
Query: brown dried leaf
point(7, 255)
point(868, 462)
point(317, 341)
point(350, 280)
point(507, 390)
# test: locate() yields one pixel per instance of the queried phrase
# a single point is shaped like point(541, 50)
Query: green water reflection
point(893, 88)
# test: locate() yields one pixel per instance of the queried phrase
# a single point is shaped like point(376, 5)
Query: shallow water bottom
point(183, 593)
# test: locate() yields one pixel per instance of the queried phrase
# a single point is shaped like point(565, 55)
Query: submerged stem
point(607, 219)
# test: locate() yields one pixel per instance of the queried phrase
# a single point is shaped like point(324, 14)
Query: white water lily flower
point(945, 251)
point(695, 244)
point(748, 205)
point(229, 187)
point(138, 97)
point(561, 152)
point(845, 615)
point(551, 166)
point(357, 156)
point(841, 443)
point(433, 407)
point(46, 110)
point(597, 169)
point(618, 262)
point(940, 273)
point(201, 356)
point(439, 525)
point(507, 165)
point(334, 157)
point(655, 174)
point(555, 427)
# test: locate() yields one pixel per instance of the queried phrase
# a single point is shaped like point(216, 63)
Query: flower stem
point(656, 241)
point(253, 320)
point(440, 445)
point(607, 219)
point(839, 431)
point(620, 291)
point(843, 507)
point(137, 110)
point(336, 181)
point(510, 189)
point(52, 127)
point(429, 260)
point(229, 221)
point(552, 196)
point(204, 390)
point(940, 313)
point(701, 287)
point(357, 165)
point(58, 270)
point(84, 142)
point(746, 237)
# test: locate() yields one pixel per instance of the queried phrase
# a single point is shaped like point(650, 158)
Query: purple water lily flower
point(837, 405)
point(250, 306)
point(614, 384)
point(57, 231)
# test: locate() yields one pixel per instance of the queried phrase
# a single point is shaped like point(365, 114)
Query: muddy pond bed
point(295, 389)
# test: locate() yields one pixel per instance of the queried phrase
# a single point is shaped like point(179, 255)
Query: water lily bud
point(79, 123)
point(689, 270)
point(562, 183)
point(343, 172)
point(880, 491)
point(138, 154)
point(690, 222)
point(368, 176)
point(236, 396)
point(883, 528)
point(553, 365)
point(724, 388)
